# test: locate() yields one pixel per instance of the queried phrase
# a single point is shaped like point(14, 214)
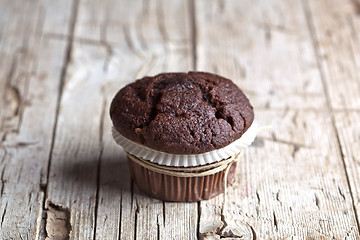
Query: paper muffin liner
point(181, 189)
point(192, 160)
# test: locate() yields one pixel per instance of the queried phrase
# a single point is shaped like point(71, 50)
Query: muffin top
point(182, 113)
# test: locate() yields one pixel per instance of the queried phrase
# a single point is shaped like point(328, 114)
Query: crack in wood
point(198, 220)
point(19, 173)
point(317, 201)
point(275, 222)
point(2, 181)
point(224, 224)
point(120, 217)
point(3, 215)
point(199, 215)
point(44, 186)
point(277, 196)
point(164, 217)
point(257, 196)
point(17, 145)
point(98, 177)
point(253, 232)
point(29, 199)
point(158, 227)
point(21, 238)
point(296, 148)
point(341, 193)
point(132, 192)
point(137, 211)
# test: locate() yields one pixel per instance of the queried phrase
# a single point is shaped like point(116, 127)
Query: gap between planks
point(101, 142)
point(192, 10)
point(44, 187)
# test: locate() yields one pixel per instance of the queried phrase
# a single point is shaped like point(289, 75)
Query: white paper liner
point(177, 160)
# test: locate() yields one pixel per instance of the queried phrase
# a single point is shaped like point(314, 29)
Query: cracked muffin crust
point(182, 113)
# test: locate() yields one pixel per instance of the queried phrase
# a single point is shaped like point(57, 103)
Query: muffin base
point(180, 189)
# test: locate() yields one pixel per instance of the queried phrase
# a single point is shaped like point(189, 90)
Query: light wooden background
point(61, 62)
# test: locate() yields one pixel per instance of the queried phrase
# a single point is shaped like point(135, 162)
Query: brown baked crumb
point(182, 113)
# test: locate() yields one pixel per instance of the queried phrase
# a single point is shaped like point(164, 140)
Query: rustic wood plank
point(292, 183)
point(124, 40)
point(30, 73)
point(114, 190)
point(335, 25)
point(77, 147)
point(261, 43)
point(347, 124)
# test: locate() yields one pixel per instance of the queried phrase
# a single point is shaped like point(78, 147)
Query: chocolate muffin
point(186, 114)
point(182, 113)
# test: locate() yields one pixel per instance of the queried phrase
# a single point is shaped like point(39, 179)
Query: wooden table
point(61, 62)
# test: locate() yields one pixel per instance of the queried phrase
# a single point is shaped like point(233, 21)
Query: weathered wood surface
point(348, 126)
point(292, 182)
point(110, 50)
point(62, 175)
point(337, 50)
point(31, 69)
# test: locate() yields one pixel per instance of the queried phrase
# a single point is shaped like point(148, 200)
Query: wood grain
point(30, 72)
point(338, 58)
point(61, 62)
point(292, 182)
point(347, 124)
point(335, 26)
point(89, 173)
point(265, 47)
